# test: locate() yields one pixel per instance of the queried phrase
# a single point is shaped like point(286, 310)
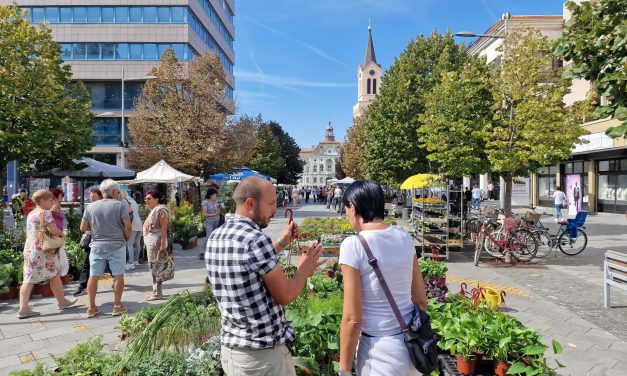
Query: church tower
point(368, 78)
point(329, 137)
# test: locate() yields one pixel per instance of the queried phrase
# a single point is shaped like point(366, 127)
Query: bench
point(615, 266)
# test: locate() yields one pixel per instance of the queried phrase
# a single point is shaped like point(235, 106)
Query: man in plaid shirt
point(250, 287)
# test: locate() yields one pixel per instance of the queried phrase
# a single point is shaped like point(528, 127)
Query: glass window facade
point(106, 95)
point(208, 39)
point(172, 14)
point(106, 131)
point(124, 51)
point(612, 185)
point(217, 21)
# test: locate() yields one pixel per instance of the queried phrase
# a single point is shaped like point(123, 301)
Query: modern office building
point(112, 45)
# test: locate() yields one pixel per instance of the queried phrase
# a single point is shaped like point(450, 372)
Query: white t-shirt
point(395, 254)
point(476, 193)
point(560, 197)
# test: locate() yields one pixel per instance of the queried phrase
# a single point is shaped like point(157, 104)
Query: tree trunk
point(507, 198)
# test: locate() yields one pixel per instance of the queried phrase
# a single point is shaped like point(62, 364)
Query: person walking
point(559, 199)
point(134, 243)
point(39, 264)
point(110, 225)
point(250, 286)
point(329, 199)
point(307, 194)
point(468, 198)
point(211, 211)
point(156, 237)
point(337, 196)
point(369, 329)
point(296, 196)
point(476, 197)
point(490, 191)
point(94, 195)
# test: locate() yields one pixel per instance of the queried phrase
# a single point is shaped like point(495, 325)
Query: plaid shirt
point(238, 254)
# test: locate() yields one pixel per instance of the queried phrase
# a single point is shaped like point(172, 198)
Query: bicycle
point(570, 237)
point(521, 243)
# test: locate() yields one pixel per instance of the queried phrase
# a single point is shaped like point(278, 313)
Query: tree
point(290, 151)
point(267, 157)
point(352, 152)
point(242, 138)
point(180, 117)
point(531, 127)
point(595, 40)
point(45, 118)
point(393, 149)
point(457, 110)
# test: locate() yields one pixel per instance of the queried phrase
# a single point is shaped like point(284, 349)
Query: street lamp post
point(122, 122)
point(506, 16)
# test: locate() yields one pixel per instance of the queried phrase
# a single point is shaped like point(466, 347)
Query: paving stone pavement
point(564, 302)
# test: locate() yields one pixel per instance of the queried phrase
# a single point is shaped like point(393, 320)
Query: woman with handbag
point(59, 219)
point(156, 240)
point(370, 330)
point(41, 254)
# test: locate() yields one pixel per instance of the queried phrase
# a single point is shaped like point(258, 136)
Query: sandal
point(152, 297)
point(69, 303)
point(26, 314)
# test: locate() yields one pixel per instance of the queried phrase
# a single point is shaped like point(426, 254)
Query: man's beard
point(261, 222)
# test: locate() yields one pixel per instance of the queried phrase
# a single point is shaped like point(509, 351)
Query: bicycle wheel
point(478, 247)
point(572, 246)
point(526, 244)
point(544, 244)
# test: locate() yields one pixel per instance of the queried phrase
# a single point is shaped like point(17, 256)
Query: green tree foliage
point(458, 110)
point(267, 157)
point(393, 149)
point(242, 139)
point(352, 152)
point(180, 117)
point(293, 167)
point(45, 118)
point(595, 40)
point(531, 126)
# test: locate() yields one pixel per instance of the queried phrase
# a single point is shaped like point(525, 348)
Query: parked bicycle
point(570, 237)
point(509, 238)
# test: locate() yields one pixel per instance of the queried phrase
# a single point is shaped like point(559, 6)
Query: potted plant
point(6, 274)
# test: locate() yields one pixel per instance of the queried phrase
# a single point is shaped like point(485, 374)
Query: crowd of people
point(112, 233)
point(329, 196)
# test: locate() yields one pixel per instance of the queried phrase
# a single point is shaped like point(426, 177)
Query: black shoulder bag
point(418, 335)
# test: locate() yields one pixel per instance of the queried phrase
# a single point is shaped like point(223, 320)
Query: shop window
point(546, 186)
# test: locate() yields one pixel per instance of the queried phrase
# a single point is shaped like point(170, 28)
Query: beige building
point(112, 45)
point(595, 178)
point(368, 78)
point(320, 161)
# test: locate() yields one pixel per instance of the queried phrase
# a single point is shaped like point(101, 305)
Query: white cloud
point(310, 47)
point(285, 82)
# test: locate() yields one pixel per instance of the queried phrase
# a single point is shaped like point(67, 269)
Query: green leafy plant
point(432, 268)
point(75, 254)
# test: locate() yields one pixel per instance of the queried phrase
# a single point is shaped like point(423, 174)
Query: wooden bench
point(615, 266)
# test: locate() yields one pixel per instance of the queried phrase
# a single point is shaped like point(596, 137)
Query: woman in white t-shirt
point(369, 328)
point(560, 202)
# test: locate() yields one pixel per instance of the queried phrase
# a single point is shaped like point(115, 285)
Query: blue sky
point(296, 60)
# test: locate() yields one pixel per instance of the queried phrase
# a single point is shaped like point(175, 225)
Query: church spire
point(370, 55)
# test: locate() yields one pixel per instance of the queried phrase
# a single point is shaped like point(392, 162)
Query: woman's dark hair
point(57, 192)
point(210, 191)
point(367, 198)
point(155, 194)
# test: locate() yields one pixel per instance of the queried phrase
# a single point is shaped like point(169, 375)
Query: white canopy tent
point(162, 172)
point(346, 180)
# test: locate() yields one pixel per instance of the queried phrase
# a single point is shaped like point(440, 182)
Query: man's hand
point(290, 231)
point(310, 260)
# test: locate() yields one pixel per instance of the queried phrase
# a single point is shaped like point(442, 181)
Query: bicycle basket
point(491, 213)
point(574, 224)
point(531, 217)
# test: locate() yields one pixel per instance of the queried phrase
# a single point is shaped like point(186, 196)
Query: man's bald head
point(251, 187)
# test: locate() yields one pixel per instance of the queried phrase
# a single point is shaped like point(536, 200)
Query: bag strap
point(388, 294)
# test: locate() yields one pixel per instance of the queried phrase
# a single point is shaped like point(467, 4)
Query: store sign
point(595, 141)
point(520, 191)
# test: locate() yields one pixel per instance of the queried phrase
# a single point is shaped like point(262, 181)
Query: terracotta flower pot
point(466, 366)
point(14, 292)
point(46, 291)
point(500, 368)
point(66, 279)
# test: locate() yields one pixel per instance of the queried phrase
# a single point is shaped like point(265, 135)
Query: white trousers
point(384, 356)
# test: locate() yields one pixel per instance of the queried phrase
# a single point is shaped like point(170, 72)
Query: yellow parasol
point(419, 181)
